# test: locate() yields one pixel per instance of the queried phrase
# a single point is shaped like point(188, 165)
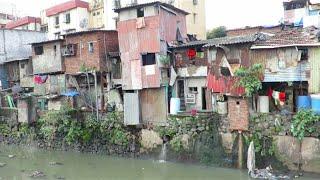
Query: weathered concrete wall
point(199, 83)
point(50, 61)
point(288, 151)
point(26, 73)
point(15, 44)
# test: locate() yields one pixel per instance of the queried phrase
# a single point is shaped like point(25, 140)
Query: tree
point(217, 32)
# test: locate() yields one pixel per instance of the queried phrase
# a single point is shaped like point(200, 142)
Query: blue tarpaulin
point(71, 94)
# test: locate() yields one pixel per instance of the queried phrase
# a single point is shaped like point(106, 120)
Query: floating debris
point(37, 174)
point(55, 163)
point(2, 164)
point(11, 156)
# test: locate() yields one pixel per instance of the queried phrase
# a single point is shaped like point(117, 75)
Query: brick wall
point(103, 42)
point(238, 113)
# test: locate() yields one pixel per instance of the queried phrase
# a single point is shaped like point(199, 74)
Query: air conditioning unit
point(68, 50)
point(190, 99)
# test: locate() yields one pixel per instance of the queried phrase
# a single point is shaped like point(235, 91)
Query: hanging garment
point(140, 23)
point(282, 96)
point(275, 95)
point(40, 79)
point(269, 92)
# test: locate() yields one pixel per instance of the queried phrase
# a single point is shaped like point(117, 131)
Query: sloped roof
point(235, 40)
point(22, 21)
point(290, 37)
point(134, 6)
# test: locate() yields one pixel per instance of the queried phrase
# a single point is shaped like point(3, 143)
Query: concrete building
point(25, 23)
point(15, 45)
point(80, 64)
point(71, 16)
point(144, 32)
point(4, 19)
point(302, 12)
point(102, 15)
point(191, 66)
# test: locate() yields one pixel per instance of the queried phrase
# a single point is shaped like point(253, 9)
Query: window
point(22, 65)
point(94, 14)
point(194, 18)
point(91, 47)
point(225, 71)
point(57, 20)
point(57, 35)
point(195, 2)
point(69, 50)
point(303, 53)
point(44, 28)
point(38, 50)
point(98, 13)
point(148, 59)
point(193, 90)
point(140, 12)
point(68, 19)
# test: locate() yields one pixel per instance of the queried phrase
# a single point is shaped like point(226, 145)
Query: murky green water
point(77, 166)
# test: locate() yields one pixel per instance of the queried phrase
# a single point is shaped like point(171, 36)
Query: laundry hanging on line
point(40, 79)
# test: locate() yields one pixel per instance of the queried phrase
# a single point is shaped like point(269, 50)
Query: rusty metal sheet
point(151, 76)
point(153, 105)
point(224, 85)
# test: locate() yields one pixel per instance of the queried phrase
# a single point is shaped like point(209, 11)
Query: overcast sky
point(230, 13)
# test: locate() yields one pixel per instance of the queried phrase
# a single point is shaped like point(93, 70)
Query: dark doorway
point(203, 94)
point(181, 94)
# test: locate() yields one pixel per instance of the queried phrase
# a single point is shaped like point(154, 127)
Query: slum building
point(144, 31)
point(189, 74)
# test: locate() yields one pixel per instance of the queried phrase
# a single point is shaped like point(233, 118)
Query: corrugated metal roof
point(290, 37)
point(298, 73)
point(88, 31)
point(191, 44)
point(133, 6)
point(235, 40)
point(46, 41)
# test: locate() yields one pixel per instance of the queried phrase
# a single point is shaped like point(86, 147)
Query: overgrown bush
point(304, 123)
point(250, 78)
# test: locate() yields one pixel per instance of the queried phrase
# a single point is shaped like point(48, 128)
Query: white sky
point(230, 13)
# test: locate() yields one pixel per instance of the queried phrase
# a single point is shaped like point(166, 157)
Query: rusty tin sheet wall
point(153, 105)
point(314, 60)
point(132, 43)
point(293, 69)
point(169, 23)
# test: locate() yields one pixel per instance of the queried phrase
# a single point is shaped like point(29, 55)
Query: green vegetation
point(73, 127)
point(217, 32)
point(249, 78)
point(304, 123)
point(165, 60)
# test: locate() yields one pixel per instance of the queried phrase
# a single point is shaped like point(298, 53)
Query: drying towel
point(140, 23)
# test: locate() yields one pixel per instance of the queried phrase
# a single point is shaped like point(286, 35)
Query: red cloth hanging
point(191, 53)
point(282, 96)
point(269, 92)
